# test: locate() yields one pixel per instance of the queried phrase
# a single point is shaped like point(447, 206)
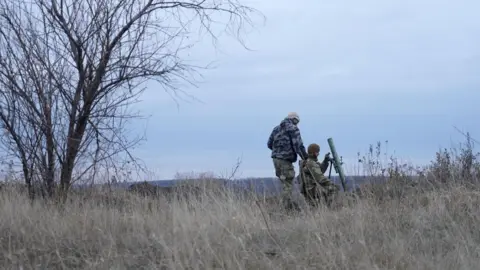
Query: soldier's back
point(282, 143)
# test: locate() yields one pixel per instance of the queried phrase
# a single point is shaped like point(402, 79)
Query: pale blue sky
point(357, 71)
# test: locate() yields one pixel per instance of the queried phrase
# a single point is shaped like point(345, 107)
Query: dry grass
point(428, 227)
point(436, 230)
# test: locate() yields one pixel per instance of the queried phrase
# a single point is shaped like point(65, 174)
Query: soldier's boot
point(292, 207)
point(289, 204)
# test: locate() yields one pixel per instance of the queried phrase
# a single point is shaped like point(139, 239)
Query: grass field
point(431, 225)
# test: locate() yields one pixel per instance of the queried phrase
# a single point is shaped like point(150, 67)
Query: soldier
point(286, 143)
point(314, 183)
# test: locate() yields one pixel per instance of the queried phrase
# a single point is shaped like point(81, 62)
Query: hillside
point(263, 186)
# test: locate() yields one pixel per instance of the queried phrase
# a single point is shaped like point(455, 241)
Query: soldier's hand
point(327, 156)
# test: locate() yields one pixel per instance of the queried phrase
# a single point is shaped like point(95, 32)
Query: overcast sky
point(358, 71)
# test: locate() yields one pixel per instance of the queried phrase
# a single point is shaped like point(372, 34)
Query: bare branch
point(70, 71)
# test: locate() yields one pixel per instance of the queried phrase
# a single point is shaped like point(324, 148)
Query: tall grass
point(430, 223)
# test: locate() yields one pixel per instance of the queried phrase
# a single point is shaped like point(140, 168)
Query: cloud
point(359, 71)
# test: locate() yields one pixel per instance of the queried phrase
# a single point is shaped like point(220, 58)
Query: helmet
point(313, 148)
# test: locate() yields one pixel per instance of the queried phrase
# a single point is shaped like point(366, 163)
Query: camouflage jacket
point(286, 142)
point(313, 172)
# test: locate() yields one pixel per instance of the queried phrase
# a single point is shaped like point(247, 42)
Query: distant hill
point(265, 186)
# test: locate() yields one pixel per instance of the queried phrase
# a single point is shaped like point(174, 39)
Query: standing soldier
point(286, 143)
point(314, 183)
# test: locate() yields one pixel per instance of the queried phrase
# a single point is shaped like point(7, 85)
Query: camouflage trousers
point(285, 171)
point(315, 192)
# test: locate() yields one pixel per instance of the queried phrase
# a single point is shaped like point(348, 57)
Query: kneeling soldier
point(314, 183)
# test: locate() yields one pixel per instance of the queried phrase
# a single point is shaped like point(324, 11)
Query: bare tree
point(70, 69)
